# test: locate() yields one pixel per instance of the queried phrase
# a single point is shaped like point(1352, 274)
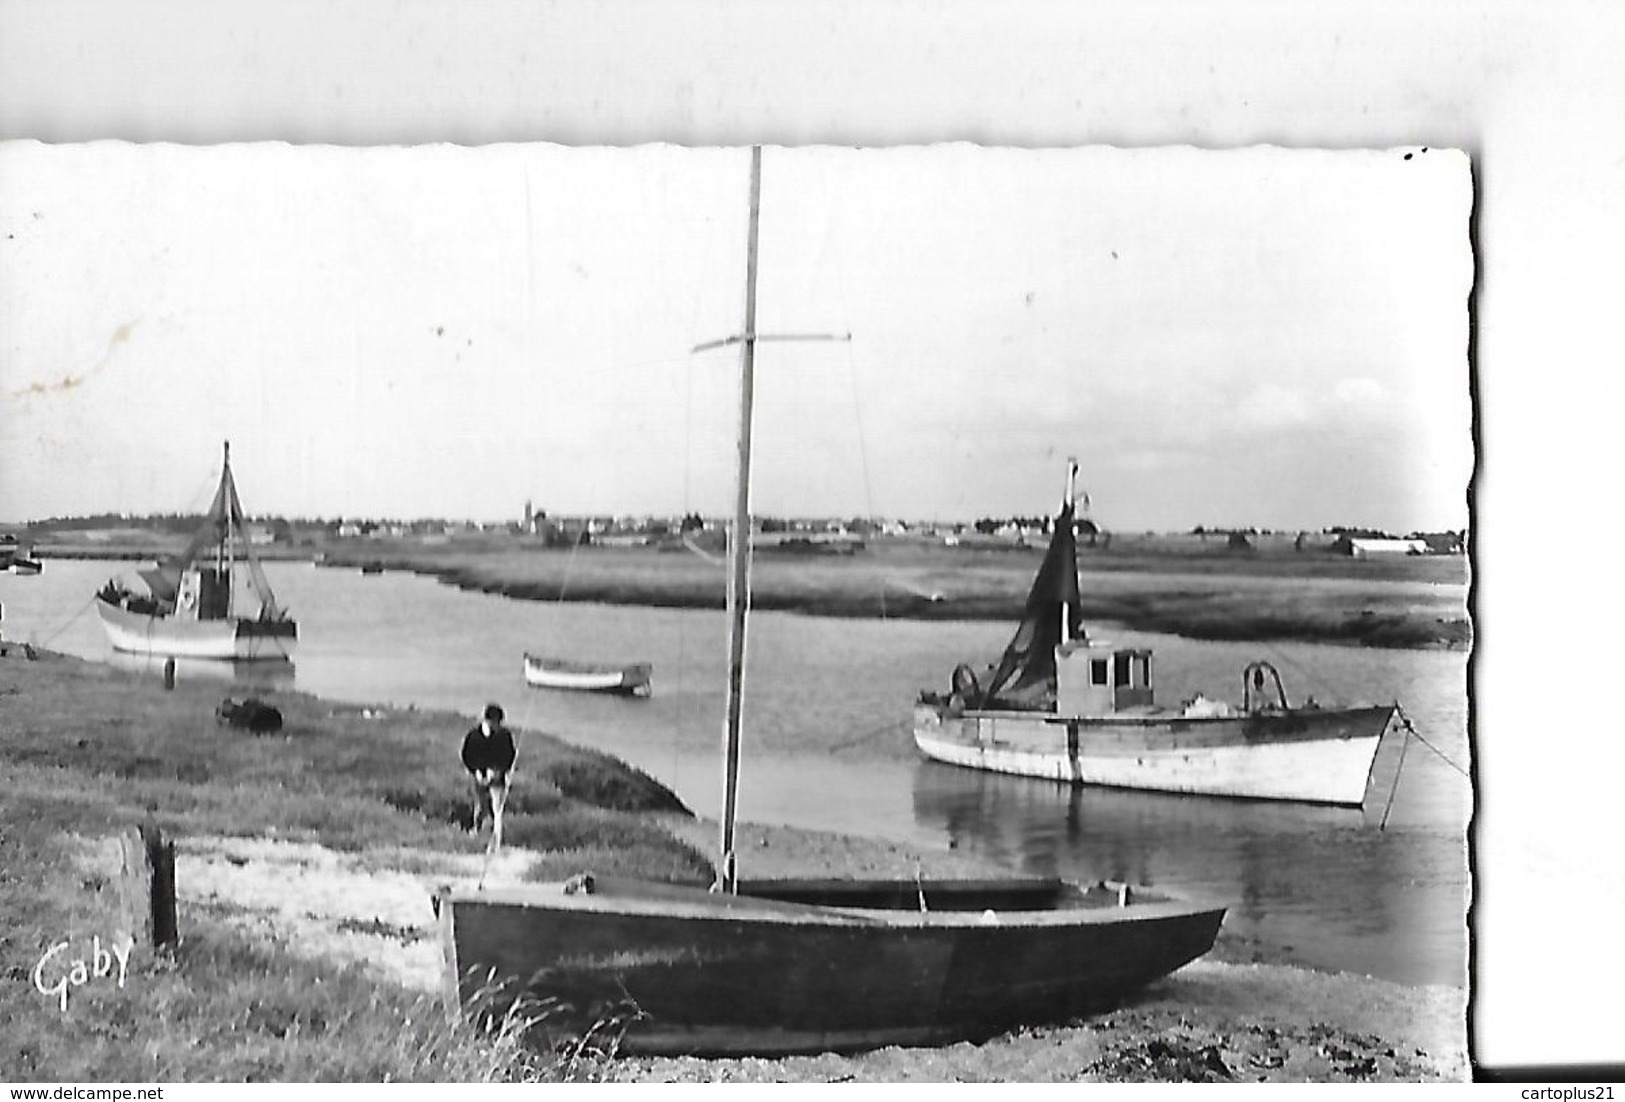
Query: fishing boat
point(588, 677)
point(766, 967)
point(15, 559)
point(212, 600)
point(1068, 707)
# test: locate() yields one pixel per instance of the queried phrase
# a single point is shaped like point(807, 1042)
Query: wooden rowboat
point(802, 966)
point(560, 673)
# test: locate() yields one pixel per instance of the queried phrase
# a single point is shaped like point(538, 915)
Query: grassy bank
point(86, 751)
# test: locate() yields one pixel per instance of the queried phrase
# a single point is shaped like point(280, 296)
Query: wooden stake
point(146, 888)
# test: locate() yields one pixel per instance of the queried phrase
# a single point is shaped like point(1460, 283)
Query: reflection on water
point(1323, 881)
point(264, 674)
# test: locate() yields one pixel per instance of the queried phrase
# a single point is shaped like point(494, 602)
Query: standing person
point(488, 755)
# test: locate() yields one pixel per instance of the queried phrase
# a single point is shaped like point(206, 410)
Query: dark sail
point(1026, 673)
point(224, 518)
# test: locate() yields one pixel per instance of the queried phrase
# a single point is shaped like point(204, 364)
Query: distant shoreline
point(1414, 604)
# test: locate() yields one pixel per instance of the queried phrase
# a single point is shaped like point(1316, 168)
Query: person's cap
point(493, 712)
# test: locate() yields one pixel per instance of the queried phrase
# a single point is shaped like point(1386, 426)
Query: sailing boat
point(782, 966)
point(210, 601)
point(1067, 707)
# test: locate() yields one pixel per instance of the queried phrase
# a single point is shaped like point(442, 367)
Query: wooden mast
point(739, 547)
point(1068, 501)
point(224, 557)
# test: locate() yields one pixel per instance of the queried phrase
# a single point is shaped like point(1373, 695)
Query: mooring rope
point(883, 729)
point(68, 624)
point(1411, 729)
point(1398, 769)
point(1410, 732)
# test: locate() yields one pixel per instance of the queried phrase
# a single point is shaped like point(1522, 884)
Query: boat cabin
point(204, 593)
point(1094, 678)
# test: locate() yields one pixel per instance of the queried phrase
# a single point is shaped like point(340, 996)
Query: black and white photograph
point(1106, 546)
point(625, 608)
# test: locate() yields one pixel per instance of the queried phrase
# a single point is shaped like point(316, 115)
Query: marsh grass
point(1181, 585)
point(87, 751)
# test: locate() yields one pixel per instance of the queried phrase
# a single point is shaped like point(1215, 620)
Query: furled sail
point(1026, 673)
point(224, 519)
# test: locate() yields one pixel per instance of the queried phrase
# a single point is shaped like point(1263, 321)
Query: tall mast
point(222, 554)
point(1068, 502)
point(739, 546)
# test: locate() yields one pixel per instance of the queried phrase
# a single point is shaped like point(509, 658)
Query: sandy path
point(1210, 1020)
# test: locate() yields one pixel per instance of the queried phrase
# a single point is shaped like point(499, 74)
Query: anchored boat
point(561, 673)
point(782, 966)
point(1067, 707)
point(210, 601)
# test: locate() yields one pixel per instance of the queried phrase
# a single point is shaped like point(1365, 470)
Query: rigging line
point(570, 562)
point(863, 463)
point(857, 404)
point(1310, 675)
point(1411, 729)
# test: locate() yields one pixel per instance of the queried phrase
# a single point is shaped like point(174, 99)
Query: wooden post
point(165, 927)
point(146, 887)
point(135, 888)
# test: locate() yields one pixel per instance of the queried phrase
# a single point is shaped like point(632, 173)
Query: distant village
point(536, 526)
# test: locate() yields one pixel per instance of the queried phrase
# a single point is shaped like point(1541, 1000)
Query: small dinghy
point(587, 677)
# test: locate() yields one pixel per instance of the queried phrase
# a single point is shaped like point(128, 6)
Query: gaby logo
point(57, 973)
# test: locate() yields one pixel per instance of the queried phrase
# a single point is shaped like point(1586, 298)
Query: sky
point(1258, 337)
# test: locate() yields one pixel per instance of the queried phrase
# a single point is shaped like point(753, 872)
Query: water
point(827, 745)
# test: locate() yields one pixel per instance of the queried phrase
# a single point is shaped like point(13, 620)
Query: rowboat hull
point(769, 973)
point(1312, 755)
point(545, 673)
point(168, 637)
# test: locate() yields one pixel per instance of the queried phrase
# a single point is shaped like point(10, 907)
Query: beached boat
point(1067, 707)
point(771, 967)
point(212, 600)
point(561, 673)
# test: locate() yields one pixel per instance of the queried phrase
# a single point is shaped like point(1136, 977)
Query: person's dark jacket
point(493, 751)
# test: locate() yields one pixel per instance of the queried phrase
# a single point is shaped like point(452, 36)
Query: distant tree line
point(162, 522)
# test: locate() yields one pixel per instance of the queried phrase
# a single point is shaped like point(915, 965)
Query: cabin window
point(1097, 671)
point(1120, 661)
point(1142, 664)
